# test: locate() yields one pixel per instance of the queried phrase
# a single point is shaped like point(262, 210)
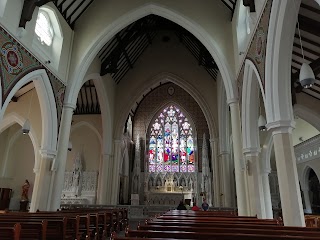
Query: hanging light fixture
point(306, 75)
point(26, 125)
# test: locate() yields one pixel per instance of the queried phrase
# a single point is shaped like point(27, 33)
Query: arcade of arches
point(150, 102)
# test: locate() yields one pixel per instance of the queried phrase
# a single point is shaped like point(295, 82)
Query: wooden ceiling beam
point(309, 25)
point(310, 8)
point(307, 40)
point(305, 49)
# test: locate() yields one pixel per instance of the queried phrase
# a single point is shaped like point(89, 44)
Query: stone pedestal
point(24, 206)
point(134, 199)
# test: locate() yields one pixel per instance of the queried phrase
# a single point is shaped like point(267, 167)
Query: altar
point(171, 199)
point(169, 188)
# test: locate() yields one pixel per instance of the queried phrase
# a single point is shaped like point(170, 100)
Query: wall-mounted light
point(262, 123)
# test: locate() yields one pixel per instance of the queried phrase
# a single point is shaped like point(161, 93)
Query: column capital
point(266, 171)
point(232, 101)
point(281, 126)
point(213, 140)
point(222, 153)
point(107, 156)
point(48, 154)
point(251, 151)
point(69, 106)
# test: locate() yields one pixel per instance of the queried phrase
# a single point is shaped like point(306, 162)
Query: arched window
point(44, 29)
point(171, 144)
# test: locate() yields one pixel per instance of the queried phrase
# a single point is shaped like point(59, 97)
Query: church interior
point(142, 104)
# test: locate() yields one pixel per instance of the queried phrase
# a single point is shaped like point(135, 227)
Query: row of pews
point(186, 224)
point(88, 224)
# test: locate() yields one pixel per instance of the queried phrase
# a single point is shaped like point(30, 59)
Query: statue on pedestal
point(76, 175)
point(24, 196)
point(25, 191)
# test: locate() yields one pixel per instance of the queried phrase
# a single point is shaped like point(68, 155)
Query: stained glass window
point(171, 145)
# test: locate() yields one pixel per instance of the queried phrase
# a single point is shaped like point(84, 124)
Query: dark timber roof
point(119, 55)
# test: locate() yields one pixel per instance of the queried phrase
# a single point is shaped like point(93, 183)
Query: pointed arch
point(171, 138)
point(252, 88)
point(280, 37)
point(90, 126)
point(14, 118)
point(106, 116)
point(163, 78)
point(47, 105)
point(150, 8)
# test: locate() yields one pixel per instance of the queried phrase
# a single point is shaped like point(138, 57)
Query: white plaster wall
point(308, 101)
point(303, 129)
point(85, 140)
point(21, 107)
point(171, 57)
point(213, 16)
point(10, 21)
point(20, 165)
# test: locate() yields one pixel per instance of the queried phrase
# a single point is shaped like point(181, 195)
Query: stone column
point(257, 195)
point(225, 191)
point(266, 192)
point(292, 210)
point(215, 179)
point(42, 180)
point(60, 161)
point(307, 200)
point(239, 163)
point(105, 179)
point(116, 172)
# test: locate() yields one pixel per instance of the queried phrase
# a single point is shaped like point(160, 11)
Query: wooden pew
point(211, 235)
point(10, 233)
point(29, 229)
point(248, 229)
point(77, 224)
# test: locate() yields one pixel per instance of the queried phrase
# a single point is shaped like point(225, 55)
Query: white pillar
point(239, 163)
point(292, 210)
point(116, 172)
point(216, 174)
point(41, 192)
point(226, 185)
point(307, 202)
point(266, 192)
point(60, 161)
point(105, 179)
point(257, 195)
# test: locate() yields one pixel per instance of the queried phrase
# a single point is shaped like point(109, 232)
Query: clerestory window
point(44, 29)
point(171, 142)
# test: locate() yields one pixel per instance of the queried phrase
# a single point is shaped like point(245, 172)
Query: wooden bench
point(77, 224)
point(10, 233)
point(211, 235)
